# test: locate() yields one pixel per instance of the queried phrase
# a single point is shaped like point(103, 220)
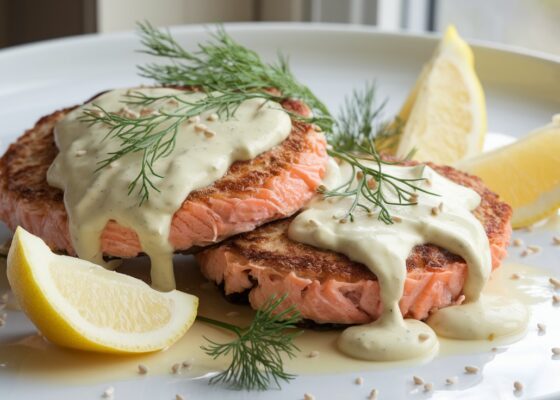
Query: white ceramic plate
point(522, 91)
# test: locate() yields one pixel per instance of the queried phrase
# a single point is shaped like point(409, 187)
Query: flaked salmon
point(327, 287)
point(271, 186)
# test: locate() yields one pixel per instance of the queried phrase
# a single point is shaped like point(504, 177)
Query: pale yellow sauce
point(92, 198)
point(29, 355)
point(445, 220)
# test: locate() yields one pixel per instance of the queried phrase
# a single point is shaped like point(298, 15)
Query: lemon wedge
point(77, 304)
point(526, 174)
point(444, 117)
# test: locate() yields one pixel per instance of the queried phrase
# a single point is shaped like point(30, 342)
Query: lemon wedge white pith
point(445, 114)
point(526, 174)
point(78, 304)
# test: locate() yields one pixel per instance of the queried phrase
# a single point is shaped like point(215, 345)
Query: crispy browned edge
point(24, 166)
point(269, 245)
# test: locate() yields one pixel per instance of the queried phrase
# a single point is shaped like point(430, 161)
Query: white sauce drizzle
point(384, 250)
point(94, 198)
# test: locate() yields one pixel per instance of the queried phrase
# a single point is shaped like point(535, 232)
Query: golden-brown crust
point(269, 245)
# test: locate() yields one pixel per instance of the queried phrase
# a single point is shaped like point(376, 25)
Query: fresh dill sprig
point(356, 140)
point(226, 72)
point(257, 350)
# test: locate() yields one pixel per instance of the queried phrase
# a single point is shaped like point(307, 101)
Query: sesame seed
point(371, 183)
point(308, 396)
point(396, 219)
point(209, 133)
point(541, 328)
point(517, 386)
point(200, 128)
point(556, 240)
point(555, 282)
point(4, 298)
point(525, 253)
point(373, 394)
point(423, 337)
point(109, 392)
point(359, 380)
point(515, 277)
point(176, 368)
point(517, 242)
point(321, 188)
point(313, 354)
point(142, 369)
point(494, 349)
point(2, 306)
point(187, 365)
point(428, 182)
point(194, 120)
point(428, 387)
point(147, 111)
point(232, 314)
point(317, 128)
point(556, 351)
point(534, 248)
point(440, 206)
point(451, 381)
point(2, 322)
point(555, 299)
point(359, 175)
point(417, 380)
point(212, 117)
point(343, 220)
point(312, 222)
point(179, 397)
point(469, 369)
point(529, 228)
point(435, 211)
point(114, 164)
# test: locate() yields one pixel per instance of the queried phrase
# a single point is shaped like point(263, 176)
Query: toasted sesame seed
point(109, 392)
point(555, 282)
point(517, 386)
point(534, 248)
point(147, 111)
point(176, 368)
point(142, 369)
point(451, 381)
point(313, 354)
point(515, 276)
point(317, 128)
point(321, 188)
point(423, 337)
point(556, 351)
point(525, 253)
point(179, 397)
point(359, 380)
point(417, 380)
point(517, 242)
point(200, 128)
point(428, 182)
point(469, 369)
point(359, 175)
point(428, 387)
point(186, 364)
point(373, 394)
point(343, 220)
point(494, 349)
point(232, 314)
point(396, 219)
point(541, 328)
point(555, 299)
point(209, 133)
point(194, 120)
point(556, 240)
point(312, 222)
point(435, 211)
point(212, 117)
point(413, 198)
point(308, 396)
point(440, 206)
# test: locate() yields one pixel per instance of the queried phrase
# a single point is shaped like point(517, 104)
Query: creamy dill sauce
point(93, 198)
point(445, 220)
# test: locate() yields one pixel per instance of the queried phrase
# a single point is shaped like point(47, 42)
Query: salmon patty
point(328, 288)
point(273, 185)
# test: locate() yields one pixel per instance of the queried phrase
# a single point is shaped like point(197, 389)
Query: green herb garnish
point(257, 350)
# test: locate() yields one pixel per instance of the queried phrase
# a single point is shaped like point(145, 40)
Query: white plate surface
point(522, 91)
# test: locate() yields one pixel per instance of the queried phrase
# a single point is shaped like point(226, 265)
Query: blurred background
point(532, 24)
